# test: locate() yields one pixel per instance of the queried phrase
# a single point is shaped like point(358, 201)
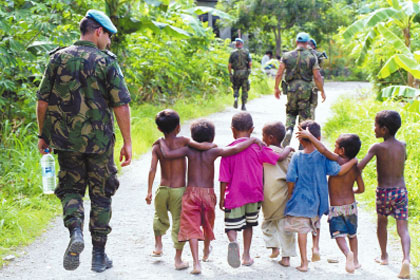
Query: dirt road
point(131, 241)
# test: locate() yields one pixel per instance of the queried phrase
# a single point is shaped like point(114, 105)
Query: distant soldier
point(240, 61)
point(321, 57)
point(300, 65)
point(82, 88)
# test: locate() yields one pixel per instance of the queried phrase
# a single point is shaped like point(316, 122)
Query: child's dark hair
point(167, 120)
point(242, 121)
point(313, 127)
point(275, 129)
point(389, 119)
point(351, 144)
point(202, 131)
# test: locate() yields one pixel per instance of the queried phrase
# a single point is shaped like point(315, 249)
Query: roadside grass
point(357, 115)
point(25, 212)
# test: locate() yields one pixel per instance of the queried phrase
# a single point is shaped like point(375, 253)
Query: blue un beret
point(102, 19)
point(302, 37)
point(313, 42)
point(239, 40)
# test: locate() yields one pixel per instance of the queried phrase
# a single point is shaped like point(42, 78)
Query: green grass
point(25, 212)
point(357, 115)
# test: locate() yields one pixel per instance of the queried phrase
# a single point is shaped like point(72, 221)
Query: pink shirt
point(243, 174)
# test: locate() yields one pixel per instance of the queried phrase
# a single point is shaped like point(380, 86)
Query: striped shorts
point(242, 217)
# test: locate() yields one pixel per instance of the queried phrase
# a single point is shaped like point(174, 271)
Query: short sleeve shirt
point(310, 194)
point(81, 85)
point(243, 174)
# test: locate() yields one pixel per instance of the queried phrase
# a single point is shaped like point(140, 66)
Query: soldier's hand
point(42, 145)
point(126, 153)
point(277, 93)
point(323, 96)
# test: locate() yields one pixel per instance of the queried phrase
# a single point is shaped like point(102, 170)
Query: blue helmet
point(313, 42)
point(302, 37)
point(102, 19)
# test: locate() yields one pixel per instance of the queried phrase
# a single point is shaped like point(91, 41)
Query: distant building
point(225, 32)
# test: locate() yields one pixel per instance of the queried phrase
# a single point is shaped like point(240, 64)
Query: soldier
point(321, 57)
point(300, 65)
point(240, 61)
point(81, 88)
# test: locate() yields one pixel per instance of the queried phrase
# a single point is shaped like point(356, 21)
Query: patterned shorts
point(242, 217)
point(392, 201)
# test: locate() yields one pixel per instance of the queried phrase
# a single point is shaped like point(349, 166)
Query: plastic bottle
point(48, 172)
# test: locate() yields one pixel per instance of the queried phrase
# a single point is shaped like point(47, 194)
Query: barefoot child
point(199, 200)
point(343, 206)
point(391, 194)
point(242, 183)
point(275, 198)
point(308, 192)
point(168, 196)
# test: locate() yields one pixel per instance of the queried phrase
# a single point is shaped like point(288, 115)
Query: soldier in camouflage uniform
point(81, 89)
point(321, 57)
point(240, 61)
point(300, 65)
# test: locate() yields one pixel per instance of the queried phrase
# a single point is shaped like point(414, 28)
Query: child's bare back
point(340, 188)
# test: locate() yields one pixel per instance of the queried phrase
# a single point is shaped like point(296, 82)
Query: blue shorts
point(343, 226)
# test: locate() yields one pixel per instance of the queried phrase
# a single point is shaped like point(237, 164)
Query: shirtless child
point(168, 196)
point(343, 206)
point(199, 200)
point(391, 193)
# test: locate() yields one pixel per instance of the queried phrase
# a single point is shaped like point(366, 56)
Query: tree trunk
point(407, 39)
point(277, 36)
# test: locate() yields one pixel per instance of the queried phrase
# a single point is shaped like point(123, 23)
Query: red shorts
point(392, 201)
point(197, 212)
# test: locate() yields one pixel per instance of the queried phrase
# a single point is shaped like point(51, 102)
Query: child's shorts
point(343, 220)
point(197, 211)
point(242, 217)
point(392, 201)
point(302, 225)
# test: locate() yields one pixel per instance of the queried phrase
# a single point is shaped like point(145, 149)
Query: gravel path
point(131, 241)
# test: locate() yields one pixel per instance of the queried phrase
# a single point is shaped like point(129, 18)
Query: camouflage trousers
point(314, 101)
point(97, 172)
point(240, 81)
point(298, 104)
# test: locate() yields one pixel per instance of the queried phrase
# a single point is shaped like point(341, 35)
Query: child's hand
point(303, 134)
point(222, 204)
point(290, 149)
point(157, 141)
point(258, 142)
point(149, 198)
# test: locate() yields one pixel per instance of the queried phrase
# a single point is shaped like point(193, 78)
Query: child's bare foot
point(405, 270)
point(382, 260)
point(248, 262)
point(180, 265)
point(285, 261)
point(206, 254)
point(156, 253)
point(357, 265)
point(196, 268)
point(315, 255)
point(274, 253)
point(350, 262)
point(303, 267)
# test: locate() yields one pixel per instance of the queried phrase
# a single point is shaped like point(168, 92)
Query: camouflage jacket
point(299, 64)
point(318, 56)
point(240, 59)
point(81, 85)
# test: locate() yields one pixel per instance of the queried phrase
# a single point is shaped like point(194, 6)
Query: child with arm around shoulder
point(342, 216)
point(391, 193)
point(308, 191)
point(275, 198)
point(199, 200)
point(241, 188)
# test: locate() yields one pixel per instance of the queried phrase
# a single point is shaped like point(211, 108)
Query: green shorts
point(242, 217)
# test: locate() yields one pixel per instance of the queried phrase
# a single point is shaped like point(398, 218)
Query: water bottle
point(48, 172)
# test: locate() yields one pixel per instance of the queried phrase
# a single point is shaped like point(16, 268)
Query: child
point(391, 194)
point(199, 200)
point(343, 206)
point(275, 198)
point(242, 183)
point(307, 187)
point(172, 185)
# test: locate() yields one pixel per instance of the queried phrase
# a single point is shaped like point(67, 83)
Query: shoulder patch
point(55, 50)
point(109, 53)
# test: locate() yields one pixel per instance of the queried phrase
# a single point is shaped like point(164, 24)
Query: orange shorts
point(197, 211)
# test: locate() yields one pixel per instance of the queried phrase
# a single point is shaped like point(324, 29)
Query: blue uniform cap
point(313, 42)
point(102, 19)
point(239, 40)
point(302, 37)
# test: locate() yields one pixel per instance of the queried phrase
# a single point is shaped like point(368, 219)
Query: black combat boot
point(287, 137)
point(243, 108)
point(235, 103)
point(76, 245)
point(100, 261)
